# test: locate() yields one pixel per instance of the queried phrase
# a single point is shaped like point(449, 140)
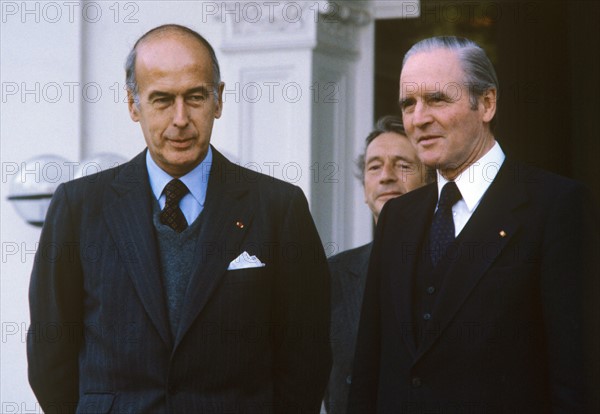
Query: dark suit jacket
point(252, 340)
point(348, 275)
point(506, 331)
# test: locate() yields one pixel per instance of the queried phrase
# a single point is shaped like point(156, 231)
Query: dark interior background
point(547, 57)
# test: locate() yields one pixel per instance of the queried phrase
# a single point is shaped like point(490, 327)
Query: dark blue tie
point(172, 215)
point(441, 233)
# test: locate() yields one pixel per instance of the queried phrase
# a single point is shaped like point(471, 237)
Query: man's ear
point(219, 109)
point(134, 113)
point(488, 101)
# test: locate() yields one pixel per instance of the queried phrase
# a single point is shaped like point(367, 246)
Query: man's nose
point(421, 115)
point(388, 173)
point(181, 116)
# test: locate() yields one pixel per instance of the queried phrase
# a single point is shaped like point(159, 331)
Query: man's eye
point(161, 101)
point(374, 167)
point(437, 99)
point(404, 105)
point(197, 98)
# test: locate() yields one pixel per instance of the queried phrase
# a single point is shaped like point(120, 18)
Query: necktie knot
point(175, 190)
point(172, 215)
point(449, 196)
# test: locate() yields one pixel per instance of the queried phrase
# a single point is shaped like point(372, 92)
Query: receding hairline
point(452, 52)
point(435, 49)
point(167, 33)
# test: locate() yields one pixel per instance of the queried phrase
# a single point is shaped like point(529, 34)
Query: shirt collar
point(196, 180)
point(475, 180)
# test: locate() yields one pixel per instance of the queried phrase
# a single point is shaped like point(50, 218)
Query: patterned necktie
point(172, 215)
point(441, 233)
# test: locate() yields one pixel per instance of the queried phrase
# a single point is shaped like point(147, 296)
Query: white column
point(290, 109)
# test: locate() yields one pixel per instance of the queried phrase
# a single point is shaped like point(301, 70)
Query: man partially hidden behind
point(473, 300)
point(188, 284)
point(389, 168)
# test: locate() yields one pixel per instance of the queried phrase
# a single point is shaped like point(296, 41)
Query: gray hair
point(387, 123)
point(130, 78)
point(479, 71)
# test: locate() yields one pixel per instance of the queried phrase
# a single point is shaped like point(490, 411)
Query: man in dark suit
point(473, 300)
point(388, 168)
point(181, 283)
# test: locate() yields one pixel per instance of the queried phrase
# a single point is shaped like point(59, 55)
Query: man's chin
point(430, 160)
point(178, 166)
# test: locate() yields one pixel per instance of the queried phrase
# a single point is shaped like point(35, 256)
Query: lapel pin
point(502, 233)
point(239, 224)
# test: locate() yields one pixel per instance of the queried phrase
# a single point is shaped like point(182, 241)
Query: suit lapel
point(227, 217)
point(418, 216)
point(488, 231)
point(128, 215)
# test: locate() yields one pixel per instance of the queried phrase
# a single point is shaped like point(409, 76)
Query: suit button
point(431, 290)
point(416, 382)
point(427, 316)
point(348, 379)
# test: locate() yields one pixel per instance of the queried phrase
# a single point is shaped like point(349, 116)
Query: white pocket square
point(245, 261)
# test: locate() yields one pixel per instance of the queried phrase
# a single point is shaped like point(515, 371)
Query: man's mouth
point(180, 142)
point(426, 139)
point(390, 194)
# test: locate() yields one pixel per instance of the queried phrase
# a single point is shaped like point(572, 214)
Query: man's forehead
point(430, 71)
point(389, 144)
point(168, 54)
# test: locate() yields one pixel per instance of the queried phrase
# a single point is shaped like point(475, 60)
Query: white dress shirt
point(473, 183)
point(196, 181)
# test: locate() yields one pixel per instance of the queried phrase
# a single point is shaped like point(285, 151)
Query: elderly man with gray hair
point(473, 300)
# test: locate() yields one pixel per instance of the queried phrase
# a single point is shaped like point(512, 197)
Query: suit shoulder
point(90, 187)
point(351, 253)
point(350, 257)
point(266, 185)
point(234, 173)
point(542, 182)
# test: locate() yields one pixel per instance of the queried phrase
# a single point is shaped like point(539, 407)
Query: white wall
point(42, 57)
